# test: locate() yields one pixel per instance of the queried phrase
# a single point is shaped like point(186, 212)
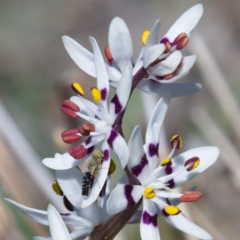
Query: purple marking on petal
point(168, 169)
point(149, 219)
point(112, 137)
point(106, 154)
point(128, 194)
point(118, 106)
point(165, 214)
point(171, 184)
point(153, 149)
point(136, 170)
point(90, 150)
point(165, 40)
point(104, 94)
point(88, 140)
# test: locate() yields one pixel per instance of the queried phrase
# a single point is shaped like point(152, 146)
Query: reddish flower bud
point(69, 108)
point(190, 196)
point(89, 127)
point(70, 136)
point(179, 38)
point(78, 152)
point(108, 54)
point(84, 132)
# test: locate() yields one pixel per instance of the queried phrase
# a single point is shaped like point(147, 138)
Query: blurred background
point(35, 77)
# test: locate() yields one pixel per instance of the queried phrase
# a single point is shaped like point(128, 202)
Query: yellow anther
point(166, 161)
point(195, 165)
point(77, 88)
point(171, 210)
point(96, 93)
point(149, 193)
point(112, 167)
point(176, 142)
point(145, 36)
point(56, 188)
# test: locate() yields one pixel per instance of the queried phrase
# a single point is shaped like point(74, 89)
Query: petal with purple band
point(153, 36)
point(100, 177)
point(186, 23)
point(118, 144)
point(70, 182)
point(120, 42)
point(122, 197)
point(148, 225)
point(166, 66)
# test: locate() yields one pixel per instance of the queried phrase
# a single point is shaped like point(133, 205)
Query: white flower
point(162, 60)
point(155, 179)
point(100, 117)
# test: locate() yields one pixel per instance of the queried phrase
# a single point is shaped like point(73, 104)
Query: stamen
point(179, 38)
point(86, 129)
point(77, 88)
point(149, 193)
point(108, 54)
point(182, 43)
point(192, 163)
point(170, 75)
point(56, 188)
point(176, 142)
point(84, 132)
point(112, 167)
point(69, 108)
point(171, 210)
point(166, 161)
point(78, 152)
point(145, 36)
point(70, 136)
point(190, 196)
point(167, 47)
point(97, 95)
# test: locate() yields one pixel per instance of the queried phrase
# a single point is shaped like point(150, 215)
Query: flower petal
point(70, 182)
point(153, 36)
point(120, 42)
point(207, 156)
point(186, 23)
point(85, 59)
point(166, 66)
point(118, 144)
point(57, 227)
point(74, 220)
point(41, 238)
point(148, 225)
point(153, 130)
point(80, 234)
point(122, 197)
point(35, 214)
point(176, 89)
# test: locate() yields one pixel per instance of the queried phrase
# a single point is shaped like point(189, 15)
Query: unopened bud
point(108, 54)
point(78, 152)
point(70, 136)
point(190, 196)
point(69, 108)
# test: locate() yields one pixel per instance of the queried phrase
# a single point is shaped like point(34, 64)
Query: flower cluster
point(94, 208)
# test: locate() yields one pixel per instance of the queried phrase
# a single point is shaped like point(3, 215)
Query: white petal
point(41, 238)
point(122, 197)
point(153, 130)
point(118, 144)
point(148, 225)
point(120, 42)
point(176, 89)
point(74, 220)
point(85, 59)
point(57, 227)
point(152, 53)
point(70, 182)
point(186, 23)
point(166, 66)
point(35, 214)
point(207, 156)
point(119, 101)
point(137, 164)
point(153, 36)
point(165, 194)
point(100, 177)
point(80, 234)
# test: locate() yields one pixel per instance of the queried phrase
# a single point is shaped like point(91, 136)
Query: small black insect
point(91, 171)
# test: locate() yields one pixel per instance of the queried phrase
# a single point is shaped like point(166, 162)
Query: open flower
point(99, 116)
point(156, 178)
point(163, 60)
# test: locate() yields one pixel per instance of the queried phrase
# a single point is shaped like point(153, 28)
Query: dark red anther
point(70, 136)
point(89, 127)
point(67, 204)
point(190, 196)
point(176, 142)
point(69, 108)
point(192, 163)
point(84, 132)
point(78, 152)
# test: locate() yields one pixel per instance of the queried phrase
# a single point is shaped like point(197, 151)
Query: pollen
point(176, 142)
point(56, 188)
point(96, 93)
point(112, 167)
point(166, 161)
point(192, 163)
point(171, 210)
point(196, 164)
point(145, 36)
point(149, 193)
point(77, 88)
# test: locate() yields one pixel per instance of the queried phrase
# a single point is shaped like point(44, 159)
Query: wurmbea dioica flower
point(161, 59)
point(157, 177)
point(100, 118)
